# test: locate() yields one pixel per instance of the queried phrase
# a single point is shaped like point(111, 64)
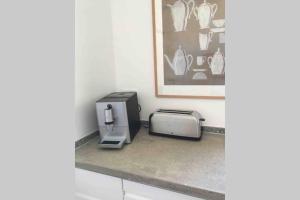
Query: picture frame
point(162, 90)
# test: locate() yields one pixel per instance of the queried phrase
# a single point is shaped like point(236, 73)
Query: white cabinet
point(129, 196)
point(80, 196)
point(137, 191)
point(95, 186)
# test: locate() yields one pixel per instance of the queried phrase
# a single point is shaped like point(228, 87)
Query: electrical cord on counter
point(145, 124)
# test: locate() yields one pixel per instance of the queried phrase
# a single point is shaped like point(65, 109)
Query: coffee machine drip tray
point(115, 142)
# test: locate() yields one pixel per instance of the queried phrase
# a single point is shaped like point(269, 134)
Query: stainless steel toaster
point(184, 124)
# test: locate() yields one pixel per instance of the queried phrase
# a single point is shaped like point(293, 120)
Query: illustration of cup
point(221, 38)
point(204, 40)
point(201, 60)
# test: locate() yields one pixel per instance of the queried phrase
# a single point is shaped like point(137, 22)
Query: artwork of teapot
point(204, 13)
point(216, 63)
point(181, 62)
point(181, 12)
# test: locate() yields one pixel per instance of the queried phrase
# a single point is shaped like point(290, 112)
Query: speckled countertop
point(196, 168)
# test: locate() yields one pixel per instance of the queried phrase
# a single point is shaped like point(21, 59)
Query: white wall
point(114, 51)
point(94, 71)
point(133, 53)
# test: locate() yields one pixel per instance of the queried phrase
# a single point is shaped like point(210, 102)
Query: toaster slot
point(184, 112)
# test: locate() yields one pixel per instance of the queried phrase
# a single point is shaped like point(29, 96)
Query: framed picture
point(189, 48)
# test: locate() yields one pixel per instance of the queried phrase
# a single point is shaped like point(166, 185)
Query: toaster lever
point(202, 119)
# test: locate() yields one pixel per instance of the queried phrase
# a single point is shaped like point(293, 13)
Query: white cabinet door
point(129, 196)
point(79, 196)
point(95, 186)
point(137, 191)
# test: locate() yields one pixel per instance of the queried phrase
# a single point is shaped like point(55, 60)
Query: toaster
point(185, 124)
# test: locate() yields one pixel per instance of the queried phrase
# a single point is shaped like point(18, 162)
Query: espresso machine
point(118, 119)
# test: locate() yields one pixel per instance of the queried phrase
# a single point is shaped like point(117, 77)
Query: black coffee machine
point(118, 119)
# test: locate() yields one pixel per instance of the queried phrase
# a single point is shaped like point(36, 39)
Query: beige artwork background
point(189, 40)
